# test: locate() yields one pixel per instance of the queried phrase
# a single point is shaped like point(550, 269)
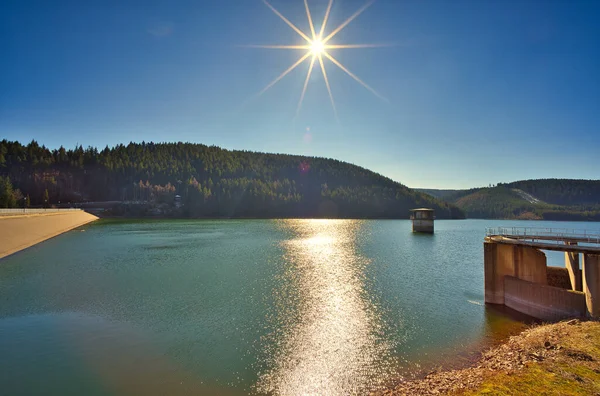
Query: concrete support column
point(500, 260)
point(497, 262)
point(572, 264)
point(591, 284)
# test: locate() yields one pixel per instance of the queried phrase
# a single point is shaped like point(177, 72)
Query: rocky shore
point(560, 358)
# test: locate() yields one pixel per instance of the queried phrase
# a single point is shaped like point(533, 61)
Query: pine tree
point(7, 195)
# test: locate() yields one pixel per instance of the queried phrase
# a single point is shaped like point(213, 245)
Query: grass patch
point(573, 368)
point(541, 378)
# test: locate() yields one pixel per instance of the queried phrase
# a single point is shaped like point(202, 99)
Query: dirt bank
point(554, 359)
point(20, 232)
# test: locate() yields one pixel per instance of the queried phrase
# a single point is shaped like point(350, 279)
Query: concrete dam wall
point(20, 231)
point(541, 301)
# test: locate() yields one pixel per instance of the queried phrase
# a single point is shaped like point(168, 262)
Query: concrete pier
point(515, 272)
point(521, 262)
point(572, 265)
point(591, 284)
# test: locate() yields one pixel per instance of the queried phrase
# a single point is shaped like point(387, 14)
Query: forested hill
point(211, 181)
point(437, 193)
point(561, 191)
point(549, 199)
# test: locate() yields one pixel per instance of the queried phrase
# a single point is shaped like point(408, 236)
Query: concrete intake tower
point(516, 273)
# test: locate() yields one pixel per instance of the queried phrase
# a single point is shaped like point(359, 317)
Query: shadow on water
point(424, 235)
point(500, 323)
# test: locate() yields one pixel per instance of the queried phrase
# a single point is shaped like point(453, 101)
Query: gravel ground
point(543, 343)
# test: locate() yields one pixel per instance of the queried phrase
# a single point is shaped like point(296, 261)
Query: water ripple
point(332, 340)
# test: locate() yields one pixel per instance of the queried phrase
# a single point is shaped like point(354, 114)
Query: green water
point(238, 307)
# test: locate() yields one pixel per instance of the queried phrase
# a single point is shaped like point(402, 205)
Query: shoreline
point(174, 217)
point(564, 355)
point(21, 231)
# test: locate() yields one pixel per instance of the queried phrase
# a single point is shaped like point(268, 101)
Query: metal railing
point(561, 235)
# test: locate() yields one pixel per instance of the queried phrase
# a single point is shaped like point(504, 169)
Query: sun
point(317, 49)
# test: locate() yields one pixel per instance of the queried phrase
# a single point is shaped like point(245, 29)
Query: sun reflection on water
point(332, 341)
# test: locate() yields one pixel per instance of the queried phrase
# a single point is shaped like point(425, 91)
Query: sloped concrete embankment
point(18, 232)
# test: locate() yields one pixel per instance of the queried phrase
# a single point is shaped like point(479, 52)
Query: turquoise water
point(249, 306)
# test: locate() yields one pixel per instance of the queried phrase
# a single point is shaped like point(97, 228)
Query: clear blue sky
point(479, 91)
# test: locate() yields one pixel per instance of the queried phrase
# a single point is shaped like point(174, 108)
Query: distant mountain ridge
point(548, 199)
point(144, 178)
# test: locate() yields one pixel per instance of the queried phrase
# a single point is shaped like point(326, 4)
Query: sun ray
point(343, 25)
point(346, 46)
point(317, 47)
point(312, 63)
point(290, 24)
point(306, 47)
point(326, 18)
point(328, 87)
point(310, 21)
point(302, 59)
point(348, 72)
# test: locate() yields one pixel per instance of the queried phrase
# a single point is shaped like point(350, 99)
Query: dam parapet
point(515, 271)
point(29, 211)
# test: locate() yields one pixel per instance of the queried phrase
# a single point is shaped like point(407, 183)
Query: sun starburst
point(316, 48)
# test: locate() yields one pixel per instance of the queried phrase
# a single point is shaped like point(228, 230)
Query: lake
point(245, 306)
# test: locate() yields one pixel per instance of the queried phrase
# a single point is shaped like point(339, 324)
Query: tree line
point(209, 180)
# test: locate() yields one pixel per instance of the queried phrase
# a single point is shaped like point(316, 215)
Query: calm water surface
point(237, 307)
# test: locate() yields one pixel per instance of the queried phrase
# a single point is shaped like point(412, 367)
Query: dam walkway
point(516, 273)
point(555, 239)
